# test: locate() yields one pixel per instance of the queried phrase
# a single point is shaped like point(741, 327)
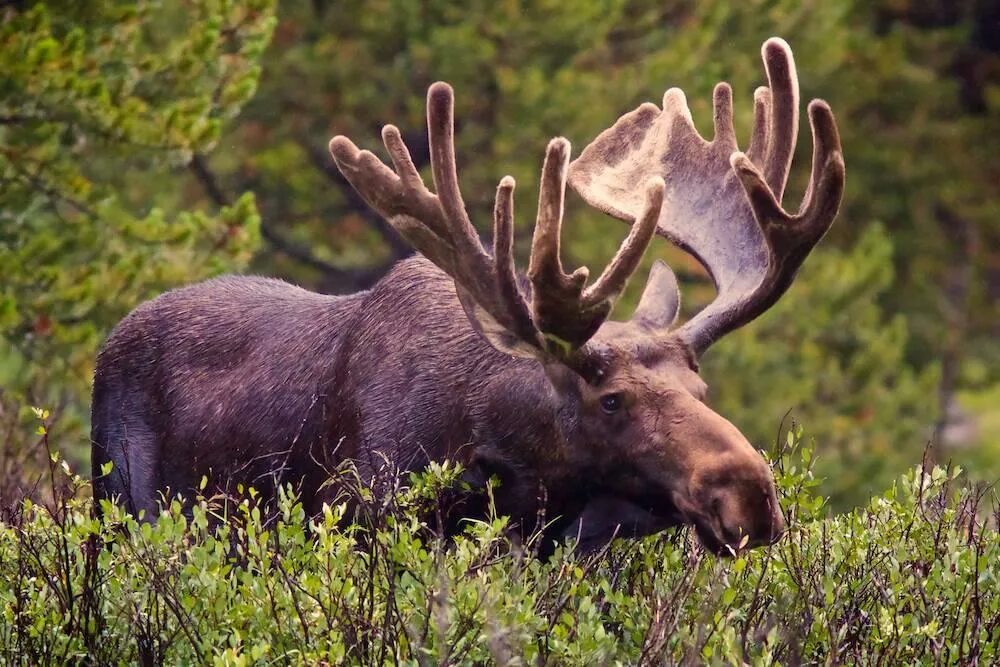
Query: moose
point(455, 355)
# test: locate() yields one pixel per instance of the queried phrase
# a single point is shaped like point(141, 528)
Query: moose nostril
point(777, 525)
point(743, 519)
point(776, 522)
point(746, 521)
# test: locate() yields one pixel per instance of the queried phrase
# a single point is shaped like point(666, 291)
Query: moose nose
point(745, 518)
point(777, 524)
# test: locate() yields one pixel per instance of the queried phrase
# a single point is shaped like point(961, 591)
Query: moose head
point(630, 404)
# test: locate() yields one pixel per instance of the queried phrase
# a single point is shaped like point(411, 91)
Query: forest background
point(147, 145)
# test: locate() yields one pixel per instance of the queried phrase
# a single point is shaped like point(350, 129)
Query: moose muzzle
point(741, 513)
point(730, 496)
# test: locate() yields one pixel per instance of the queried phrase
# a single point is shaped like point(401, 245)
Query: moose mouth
point(606, 517)
point(706, 535)
point(646, 521)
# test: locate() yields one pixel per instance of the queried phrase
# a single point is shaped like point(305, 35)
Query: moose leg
point(121, 436)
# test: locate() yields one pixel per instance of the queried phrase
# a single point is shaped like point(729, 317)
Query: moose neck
point(418, 384)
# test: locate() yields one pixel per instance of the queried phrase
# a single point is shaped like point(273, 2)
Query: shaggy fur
point(254, 381)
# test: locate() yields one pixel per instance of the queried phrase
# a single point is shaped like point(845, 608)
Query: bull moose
point(454, 355)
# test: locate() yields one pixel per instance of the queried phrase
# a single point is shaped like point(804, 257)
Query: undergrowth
point(910, 578)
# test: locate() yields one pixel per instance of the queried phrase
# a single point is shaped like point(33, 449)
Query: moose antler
point(563, 313)
point(721, 205)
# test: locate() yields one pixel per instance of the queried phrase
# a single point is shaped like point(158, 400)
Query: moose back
point(454, 355)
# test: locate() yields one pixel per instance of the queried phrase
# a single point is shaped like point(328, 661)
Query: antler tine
point(563, 315)
point(566, 313)
point(761, 119)
point(789, 238)
point(555, 294)
point(784, 231)
point(612, 281)
point(783, 112)
point(826, 184)
point(503, 261)
point(441, 135)
point(545, 260)
point(438, 225)
point(722, 106)
point(503, 231)
point(722, 206)
point(545, 268)
point(401, 160)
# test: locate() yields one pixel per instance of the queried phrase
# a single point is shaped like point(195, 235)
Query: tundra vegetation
point(147, 145)
point(910, 578)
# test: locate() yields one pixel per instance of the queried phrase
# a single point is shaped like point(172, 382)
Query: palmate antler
point(721, 205)
point(564, 313)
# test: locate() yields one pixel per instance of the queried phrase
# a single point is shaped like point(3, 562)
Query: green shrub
point(911, 577)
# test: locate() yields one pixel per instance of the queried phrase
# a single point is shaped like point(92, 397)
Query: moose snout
point(742, 515)
point(729, 495)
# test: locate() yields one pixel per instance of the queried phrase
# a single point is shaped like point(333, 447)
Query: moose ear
point(661, 299)
point(492, 331)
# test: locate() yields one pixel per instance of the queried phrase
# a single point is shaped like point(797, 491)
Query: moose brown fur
point(452, 355)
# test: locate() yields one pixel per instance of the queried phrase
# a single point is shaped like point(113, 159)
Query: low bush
point(910, 578)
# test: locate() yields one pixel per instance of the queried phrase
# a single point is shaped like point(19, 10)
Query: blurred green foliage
point(133, 150)
point(831, 357)
point(96, 96)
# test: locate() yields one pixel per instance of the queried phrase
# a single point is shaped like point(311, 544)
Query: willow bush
point(909, 578)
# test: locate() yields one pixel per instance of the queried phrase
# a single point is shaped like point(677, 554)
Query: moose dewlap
point(454, 355)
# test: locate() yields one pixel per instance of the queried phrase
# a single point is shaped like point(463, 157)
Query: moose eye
point(611, 403)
